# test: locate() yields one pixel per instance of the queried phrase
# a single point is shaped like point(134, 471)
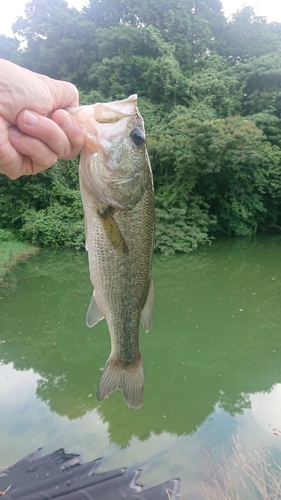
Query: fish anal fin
point(128, 379)
point(147, 313)
point(112, 230)
point(94, 315)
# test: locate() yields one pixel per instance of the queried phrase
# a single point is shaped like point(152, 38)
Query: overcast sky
point(12, 9)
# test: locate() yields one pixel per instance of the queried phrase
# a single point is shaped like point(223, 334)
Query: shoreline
point(11, 253)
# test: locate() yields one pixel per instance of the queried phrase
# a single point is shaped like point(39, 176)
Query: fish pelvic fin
point(128, 379)
point(147, 313)
point(94, 315)
point(112, 230)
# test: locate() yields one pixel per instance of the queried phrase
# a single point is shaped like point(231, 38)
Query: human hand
point(34, 129)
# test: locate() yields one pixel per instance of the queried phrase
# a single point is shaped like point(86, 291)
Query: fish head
point(114, 158)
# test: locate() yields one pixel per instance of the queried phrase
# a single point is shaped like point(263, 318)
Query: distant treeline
point(209, 91)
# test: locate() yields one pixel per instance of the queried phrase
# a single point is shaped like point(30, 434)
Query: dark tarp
point(61, 476)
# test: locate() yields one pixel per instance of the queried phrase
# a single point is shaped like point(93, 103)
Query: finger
point(47, 131)
point(24, 89)
point(64, 94)
point(72, 130)
point(37, 155)
point(26, 167)
point(10, 159)
point(14, 164)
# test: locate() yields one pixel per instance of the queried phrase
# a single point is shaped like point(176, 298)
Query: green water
point(212, 362)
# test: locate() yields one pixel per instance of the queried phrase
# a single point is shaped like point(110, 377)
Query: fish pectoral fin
point(94, 314)
point(128, 379)
point(147, 313)
point(112, 230)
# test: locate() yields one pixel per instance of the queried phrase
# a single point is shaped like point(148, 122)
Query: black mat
point(61, 476)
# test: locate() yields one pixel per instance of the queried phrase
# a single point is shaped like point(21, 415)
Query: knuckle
point(66, 151)
point(73, 155)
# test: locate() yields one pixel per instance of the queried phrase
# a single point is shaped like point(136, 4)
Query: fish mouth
point(106, 112)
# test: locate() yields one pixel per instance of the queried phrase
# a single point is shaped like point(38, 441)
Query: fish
point(117, 192)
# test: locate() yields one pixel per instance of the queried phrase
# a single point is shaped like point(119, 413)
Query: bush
point(182, 229)
point(6, 235)
point(56, 226)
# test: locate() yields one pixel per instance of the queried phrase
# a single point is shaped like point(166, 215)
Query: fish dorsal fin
point(147, 313)
point(94, 315)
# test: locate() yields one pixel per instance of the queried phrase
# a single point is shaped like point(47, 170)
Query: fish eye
point(138, 137)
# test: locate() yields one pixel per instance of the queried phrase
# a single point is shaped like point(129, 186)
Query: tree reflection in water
point(215, 339)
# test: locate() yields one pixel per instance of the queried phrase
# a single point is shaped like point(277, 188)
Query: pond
point(212, 398)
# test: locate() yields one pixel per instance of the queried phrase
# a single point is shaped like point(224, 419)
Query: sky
point(11, 10)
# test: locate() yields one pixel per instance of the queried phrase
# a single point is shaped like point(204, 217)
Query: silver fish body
point(118, 199)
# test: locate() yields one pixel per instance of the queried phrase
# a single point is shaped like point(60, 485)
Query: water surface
point(212, 362)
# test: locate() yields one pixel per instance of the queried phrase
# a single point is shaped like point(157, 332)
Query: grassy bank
point(12, 251)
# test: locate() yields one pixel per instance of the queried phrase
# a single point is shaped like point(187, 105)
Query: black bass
point(118, 199)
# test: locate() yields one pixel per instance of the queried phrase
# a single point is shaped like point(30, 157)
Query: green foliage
point(172, 18)
point(135, 60)
point(90, 97)
point(181, 229)
point(11, 251)
point(248, 35)
point(270, 124)
point(217, 87)
point(58, 41)
point(152, 114)
point(261, 79)
point(47, 208)
point(55, 226)
point(210, 94)
point(8, 48)
point(219, 170)
point(6, 235)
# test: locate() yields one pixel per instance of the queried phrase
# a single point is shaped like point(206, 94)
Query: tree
point(248, 35)
point(136, 60)
point(216, 86)
point(270, 124)
point(218, 170)
point(45, 209)
point(261, 84)
point(8, 47)
point(208, 23)
point(59, 41)
point(171, 18)
point(196, 74)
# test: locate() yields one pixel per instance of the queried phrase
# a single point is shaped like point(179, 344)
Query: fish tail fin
point(128, 379)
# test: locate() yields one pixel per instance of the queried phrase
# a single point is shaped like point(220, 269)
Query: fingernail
point(15, 132)
point(30, 119)
point(65, 121)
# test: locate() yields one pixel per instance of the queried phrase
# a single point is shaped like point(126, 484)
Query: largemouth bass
point(118, 199)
